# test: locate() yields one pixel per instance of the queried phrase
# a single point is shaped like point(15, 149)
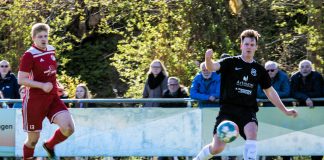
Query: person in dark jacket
point(8, 82)
point(306, 84)
point(156, 82)
point(174, 91)
point(206, 87)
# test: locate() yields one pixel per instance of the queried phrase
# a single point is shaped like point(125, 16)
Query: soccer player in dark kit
point(240, 77)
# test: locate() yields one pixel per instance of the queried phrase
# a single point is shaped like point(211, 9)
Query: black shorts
point(241, 119)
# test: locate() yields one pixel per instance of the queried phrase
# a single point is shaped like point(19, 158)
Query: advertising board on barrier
point(7, 132)
point(166, 132)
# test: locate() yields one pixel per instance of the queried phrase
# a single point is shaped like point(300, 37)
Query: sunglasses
point(156, 66)
point(4, 66)
point(270, 70)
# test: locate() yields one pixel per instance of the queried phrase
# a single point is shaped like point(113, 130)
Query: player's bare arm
point(210, 65)
point(23, 79)
point(275, 99)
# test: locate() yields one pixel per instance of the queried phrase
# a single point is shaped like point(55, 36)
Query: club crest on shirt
point(53, 57)
point(253, 72)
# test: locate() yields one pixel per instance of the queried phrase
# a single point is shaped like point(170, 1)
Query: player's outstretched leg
point(66, 128)
point(210, 150)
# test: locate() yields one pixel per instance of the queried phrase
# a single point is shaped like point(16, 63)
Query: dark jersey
point(239, 83)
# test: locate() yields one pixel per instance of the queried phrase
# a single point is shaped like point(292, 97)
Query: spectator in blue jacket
point(279, 81)
point(8, 82)
point(306, 84)
point(206, 87)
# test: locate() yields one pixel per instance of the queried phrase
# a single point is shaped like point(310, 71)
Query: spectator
point(279, 81)
point(306, 84)
point(22, 93)
point(8, 82)
point(156, 83)
point(82, 92)
point(174, 91)
point(206, 87)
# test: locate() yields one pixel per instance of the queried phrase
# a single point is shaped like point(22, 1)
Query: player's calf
point(67, 130)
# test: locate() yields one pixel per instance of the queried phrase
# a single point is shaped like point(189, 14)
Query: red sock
point(28, 153)
point(57, 138)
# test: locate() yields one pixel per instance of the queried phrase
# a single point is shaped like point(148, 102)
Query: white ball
point(227, 131)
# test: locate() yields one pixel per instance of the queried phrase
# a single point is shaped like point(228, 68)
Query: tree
point(153, 30)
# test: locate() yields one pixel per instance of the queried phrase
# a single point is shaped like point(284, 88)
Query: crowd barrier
point(165, 131)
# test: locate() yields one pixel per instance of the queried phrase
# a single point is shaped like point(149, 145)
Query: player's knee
point(215, 149)
point(32, 142)
point(251, 134)
point(67, 130)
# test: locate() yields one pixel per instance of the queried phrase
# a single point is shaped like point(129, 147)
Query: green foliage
point(298, 37)
point(17, 18)
point(90, 61)
point(110, 44)
point(69, 83)
point(153, 30)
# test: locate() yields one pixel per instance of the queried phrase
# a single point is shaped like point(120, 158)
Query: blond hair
point(163, 69)
point(39, 27)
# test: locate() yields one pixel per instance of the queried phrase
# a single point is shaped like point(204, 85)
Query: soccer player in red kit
point(37, 71)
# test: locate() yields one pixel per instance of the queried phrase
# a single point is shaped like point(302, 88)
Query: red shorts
point(36, 107)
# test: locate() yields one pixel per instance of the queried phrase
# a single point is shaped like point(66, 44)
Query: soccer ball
point(227, 131)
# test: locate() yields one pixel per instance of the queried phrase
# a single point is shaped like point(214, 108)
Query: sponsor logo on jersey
point(41, 60)
point(245, 78)
point(51, 70)
point(244, 84)
point(244, 91)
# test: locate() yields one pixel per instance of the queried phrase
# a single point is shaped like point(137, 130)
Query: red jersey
point(41, 66)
